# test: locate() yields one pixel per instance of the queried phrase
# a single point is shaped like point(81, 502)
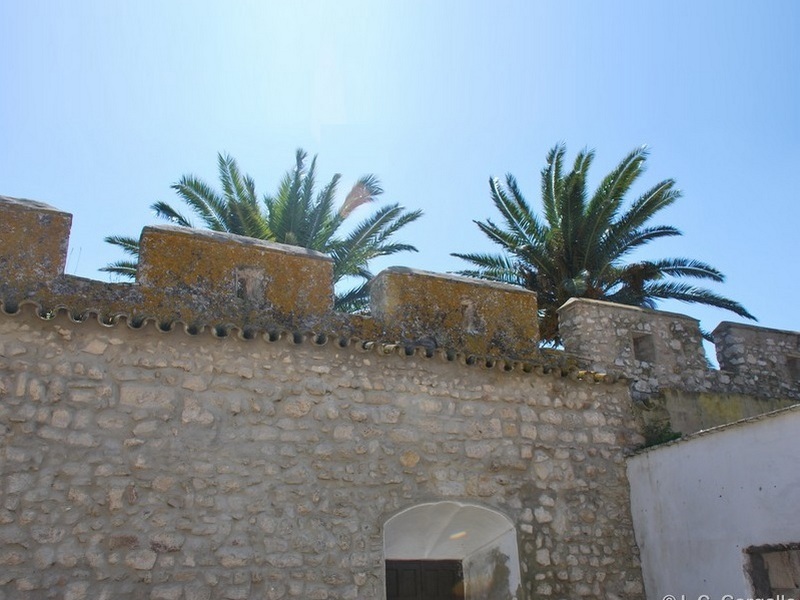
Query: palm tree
point(297, 214)
point(578, 247)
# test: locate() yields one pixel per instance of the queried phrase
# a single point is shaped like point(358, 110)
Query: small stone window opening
point(249, 284)
point(471, 322)
point(644, 349)
point(793, 364)
point(775, 570)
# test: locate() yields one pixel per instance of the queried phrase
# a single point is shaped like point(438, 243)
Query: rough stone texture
point(233, 275)
point(759, 353)
point(661, 354)
point(688, 412)
point(631, 339)
point(479, 317)
point(35, 234)
point(178, 466)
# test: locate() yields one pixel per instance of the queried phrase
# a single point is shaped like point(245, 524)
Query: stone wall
point(216, 430)
point(661, 353)
point(142, 463)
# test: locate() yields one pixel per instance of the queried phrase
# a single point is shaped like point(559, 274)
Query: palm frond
point(552, 184)
point(353, 300)
point(322, 221)
point(572, 206)
point(204, 201)
point(579, 246)
point(365, 190)
point(123, 268)
point(605, 204)
point(676, 290)
point(167, 212)
point(516, 213)
point(657, 198)
point(493, 267)
point(365, 241)
point(619, 244)
point(686, 267)
point(128, 244)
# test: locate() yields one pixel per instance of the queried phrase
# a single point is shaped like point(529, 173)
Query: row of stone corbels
point(203, 278)
point(637, 341)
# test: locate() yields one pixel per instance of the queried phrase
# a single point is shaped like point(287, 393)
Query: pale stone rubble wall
point(662, 354)
point(138, 463)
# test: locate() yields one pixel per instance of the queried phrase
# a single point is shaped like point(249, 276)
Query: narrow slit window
point(241, 288)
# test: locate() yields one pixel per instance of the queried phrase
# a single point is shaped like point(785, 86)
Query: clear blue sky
point(104, 104)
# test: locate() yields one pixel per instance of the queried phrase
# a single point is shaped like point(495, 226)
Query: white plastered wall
point(699, 503)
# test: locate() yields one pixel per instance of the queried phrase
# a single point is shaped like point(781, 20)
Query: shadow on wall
point(489, 577)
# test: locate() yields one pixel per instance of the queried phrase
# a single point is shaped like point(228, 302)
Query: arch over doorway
point(481, 540)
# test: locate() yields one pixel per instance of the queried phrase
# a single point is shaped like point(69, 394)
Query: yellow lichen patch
point(33, 241)
point(203, 273)
point(477, 317)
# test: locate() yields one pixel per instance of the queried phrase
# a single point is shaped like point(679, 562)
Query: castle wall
point(661, 353)
point(216, 430)
point(139, 463)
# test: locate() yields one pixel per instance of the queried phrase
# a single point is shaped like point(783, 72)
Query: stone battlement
point(204, 279)
point(207, 279)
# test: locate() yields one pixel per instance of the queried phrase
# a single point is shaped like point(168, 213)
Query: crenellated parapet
point(199, 278)
point(631, 339)
point(34, 239)
point(661, 353)
point(448, 311)
point(758, 352)
point(205, 279)
point(667, 348)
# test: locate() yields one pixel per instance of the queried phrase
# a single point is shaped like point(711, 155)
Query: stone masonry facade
point(197, 467)
point(225, 439)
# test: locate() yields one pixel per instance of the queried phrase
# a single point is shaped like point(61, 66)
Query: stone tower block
point(479, 317)
point(33, 241)
point(205, 276)
point(754, 351)
point(607, 336)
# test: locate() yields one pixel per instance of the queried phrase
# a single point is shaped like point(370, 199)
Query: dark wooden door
point(424, 580)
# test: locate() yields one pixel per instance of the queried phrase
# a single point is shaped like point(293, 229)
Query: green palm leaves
point(579, 245)
point(298, 214)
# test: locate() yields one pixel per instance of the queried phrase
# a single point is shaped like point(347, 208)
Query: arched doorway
point(451, 551)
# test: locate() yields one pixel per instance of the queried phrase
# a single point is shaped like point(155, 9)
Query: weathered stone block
point(751, 350)
point(476, 317)
point(141, 560)
point(616, 337)
point(146, 397)
point(201, 276)
point(33, 241)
